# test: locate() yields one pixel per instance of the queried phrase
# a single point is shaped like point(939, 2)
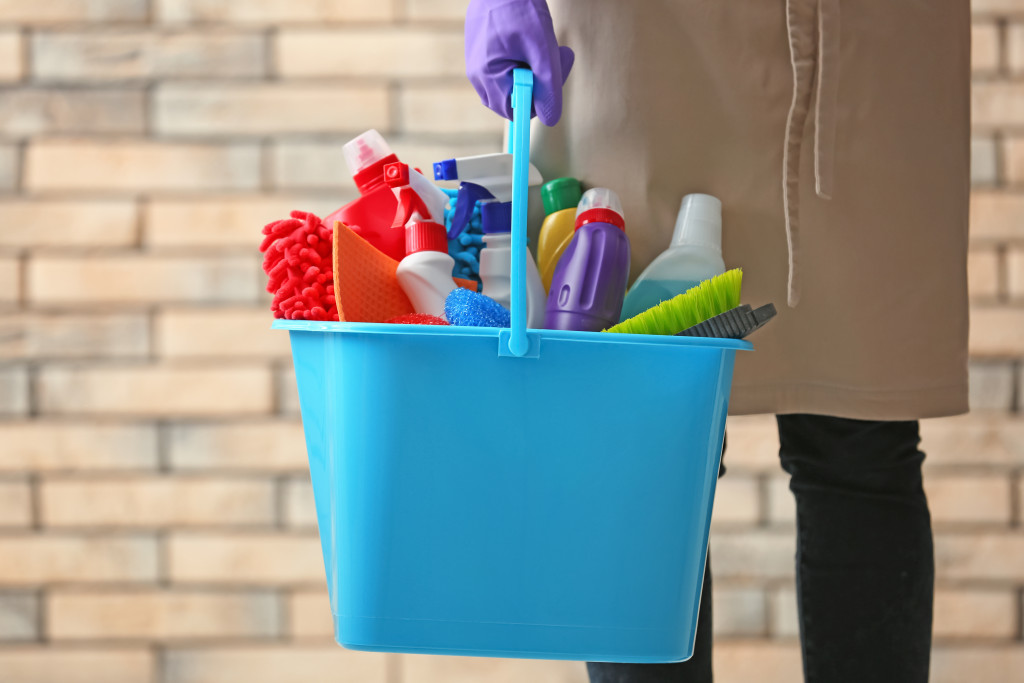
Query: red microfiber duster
point(297, 259)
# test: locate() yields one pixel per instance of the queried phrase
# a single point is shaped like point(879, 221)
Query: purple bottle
point(590, 279)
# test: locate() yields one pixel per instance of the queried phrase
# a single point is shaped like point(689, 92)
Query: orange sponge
point(366, 288)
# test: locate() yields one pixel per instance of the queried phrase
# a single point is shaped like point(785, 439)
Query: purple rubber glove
point(502, 35)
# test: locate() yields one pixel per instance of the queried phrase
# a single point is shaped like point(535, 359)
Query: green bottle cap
point(561, 193)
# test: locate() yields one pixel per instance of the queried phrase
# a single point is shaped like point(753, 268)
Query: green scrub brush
point(708, 299)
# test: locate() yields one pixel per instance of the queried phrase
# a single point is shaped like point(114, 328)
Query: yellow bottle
point(560, 197)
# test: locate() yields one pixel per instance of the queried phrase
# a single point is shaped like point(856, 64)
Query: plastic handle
point(522, 104)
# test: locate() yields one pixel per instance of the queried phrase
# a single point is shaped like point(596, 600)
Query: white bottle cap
point(365, 150)
point(699, 222)
point(600, 198)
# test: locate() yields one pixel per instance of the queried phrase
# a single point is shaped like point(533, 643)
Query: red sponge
point(297, 259)
point(417, 319)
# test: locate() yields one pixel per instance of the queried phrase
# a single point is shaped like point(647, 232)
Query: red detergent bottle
point(370, 216)
point(589, 283)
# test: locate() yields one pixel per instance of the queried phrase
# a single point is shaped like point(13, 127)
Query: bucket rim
point(493, 332)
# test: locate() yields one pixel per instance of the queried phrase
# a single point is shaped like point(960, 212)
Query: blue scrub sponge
point(470, 309)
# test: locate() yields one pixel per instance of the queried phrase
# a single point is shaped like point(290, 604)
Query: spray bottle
point(425, 273)
point(369, 216)
point(560, 197)
point(694, 255)
point(590, 279)
point(487, 178)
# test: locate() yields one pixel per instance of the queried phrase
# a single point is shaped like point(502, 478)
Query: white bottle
point(425, 274)
point(488, 178)
point(694, 255)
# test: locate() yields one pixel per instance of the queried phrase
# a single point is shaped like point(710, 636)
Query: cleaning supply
point(708, 299)
point(297, 261)
point(736, 323)
point(465, 248)
point(694, 255)
point(370, 215)
point(590, 279)
point(417, 319)
point(366, 281)
point(560, 197)
point(471, 309)
point(425, 273)
point(487, 179)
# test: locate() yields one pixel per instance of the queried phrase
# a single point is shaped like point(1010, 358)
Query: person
point(836, 135)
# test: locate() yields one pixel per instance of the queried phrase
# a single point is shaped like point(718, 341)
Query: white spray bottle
point(488, 178)
point(425, 274)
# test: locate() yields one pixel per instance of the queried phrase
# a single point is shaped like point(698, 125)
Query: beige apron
point(836, 135)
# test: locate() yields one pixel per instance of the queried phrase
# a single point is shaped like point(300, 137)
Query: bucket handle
point(519, 142)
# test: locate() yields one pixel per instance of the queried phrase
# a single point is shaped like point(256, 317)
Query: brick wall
point(156, 522)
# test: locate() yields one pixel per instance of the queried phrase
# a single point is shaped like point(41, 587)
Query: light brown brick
point(252, 558)
point(985, 47)
point(161, 615)
point(737, 501)
point(12, 65)
point(144, 279)
point(49, 558)
point(963, 498)
point(739, 611)
point(984, 163)
point(13, 391)
point(76, 665)
point(986, 7)
point(765, 662)
point(157, 502)
point(997, 103)
point(979, 556)
point(310, 165)
point(433, 669)
point(272, 12)
point(212, 333)
point(35, 112)
point(44, 336)
point(15, 504)
point(19, 617)
point(52, 11)
point(983, 273)
point(997, 332)
point(785, 623)
point(74, 447)
point(436, 10)
point(975, 613)
point(63, 223)
point(977, 663)
point(398, 52)
point(156, 391)
point(974, 440)
point(93, 56)
point(220, 109)
point(753, 555)
point(999, 215)
point(141, 166)
point(445, 109)
point(273, 664)
point(309, 616)
point(1014, 46)
point(781, 503)
point(226, 221)
point(9, 168)
point(276, 446)
point(752, 444)
point(10, 282)
point(299, 508)
point(287, 391)
point(991, 386)
point(1015, 273)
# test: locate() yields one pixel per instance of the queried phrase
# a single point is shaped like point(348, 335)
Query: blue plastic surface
point(576, 528)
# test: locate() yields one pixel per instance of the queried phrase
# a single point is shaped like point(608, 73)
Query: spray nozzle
point(469, 195)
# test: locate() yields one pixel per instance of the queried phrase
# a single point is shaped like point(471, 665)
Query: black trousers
point(864, 560)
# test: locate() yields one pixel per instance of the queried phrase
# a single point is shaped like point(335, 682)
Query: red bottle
point(371, 215)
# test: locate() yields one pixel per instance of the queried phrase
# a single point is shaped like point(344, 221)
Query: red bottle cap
point(425, 236)
point(600, 216)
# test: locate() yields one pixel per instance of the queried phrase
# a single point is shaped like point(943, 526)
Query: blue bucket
point(513, 492)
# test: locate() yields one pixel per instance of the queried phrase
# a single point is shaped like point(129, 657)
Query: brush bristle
point(708, 299)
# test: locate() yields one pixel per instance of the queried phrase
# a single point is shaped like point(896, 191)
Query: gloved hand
point(504, 34)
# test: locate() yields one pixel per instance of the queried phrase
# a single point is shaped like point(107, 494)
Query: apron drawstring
point(815, 72)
